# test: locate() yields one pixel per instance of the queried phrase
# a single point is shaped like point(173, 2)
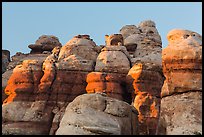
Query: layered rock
point(67, 73)
point(18, 112)
point(112, 65)
point(145, 81)
point(42, 88)
point(18, 59)
point(44, 43)
point(97, 114)
point(181, 111)
point(182, 62)
point(110, 83)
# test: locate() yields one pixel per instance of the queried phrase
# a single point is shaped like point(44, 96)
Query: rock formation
point(112, 66)
point(97, 114)
point(116, 88)
point(145, 81)
point(44, 43)
point(145, 78)
point(181, 111)
point(47, 86)
point(17, 59)
point(143, 42)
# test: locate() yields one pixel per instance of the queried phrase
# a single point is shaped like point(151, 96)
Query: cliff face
point(82, 88)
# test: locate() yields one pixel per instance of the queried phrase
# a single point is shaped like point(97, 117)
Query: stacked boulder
point(181, 104)
point(145, 78)
point(112, 66)
point(45, 43)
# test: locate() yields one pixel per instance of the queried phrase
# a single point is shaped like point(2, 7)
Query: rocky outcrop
point(44, 43)
point(143, 42)
point(145, 82)
point(65, 72)
point(181, 111)
point(45, 91)
point(97, 114)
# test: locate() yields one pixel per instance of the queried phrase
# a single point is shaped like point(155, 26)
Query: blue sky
point(24, 22)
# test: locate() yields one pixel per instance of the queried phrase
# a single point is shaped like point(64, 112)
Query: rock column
point(112, 66)
point(181, 104)
point(145, 78)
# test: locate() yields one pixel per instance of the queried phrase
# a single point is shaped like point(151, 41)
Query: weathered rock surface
point(181, 114)
point(19, 112)
point(24, 80)
point(112, 65)
point(182, 62)
point(44, 43)
point(114, 40)
point(65, 72)
point(113, 59)
point(96, 114)
point(181, 111)
point(5, 60)
point(143, 42)
point(145, 81)
point(45, 86)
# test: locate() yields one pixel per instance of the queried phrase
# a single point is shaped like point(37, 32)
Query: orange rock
point(145, 82)
point(109, 83)
point(182, 62)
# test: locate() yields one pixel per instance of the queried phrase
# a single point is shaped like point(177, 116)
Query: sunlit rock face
point(44, 43)
point(110, 83)
point(181, 111)
point(145, 81)
point(112, 66)
point(97, 114)
point(182, 62)
point(18, 111)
